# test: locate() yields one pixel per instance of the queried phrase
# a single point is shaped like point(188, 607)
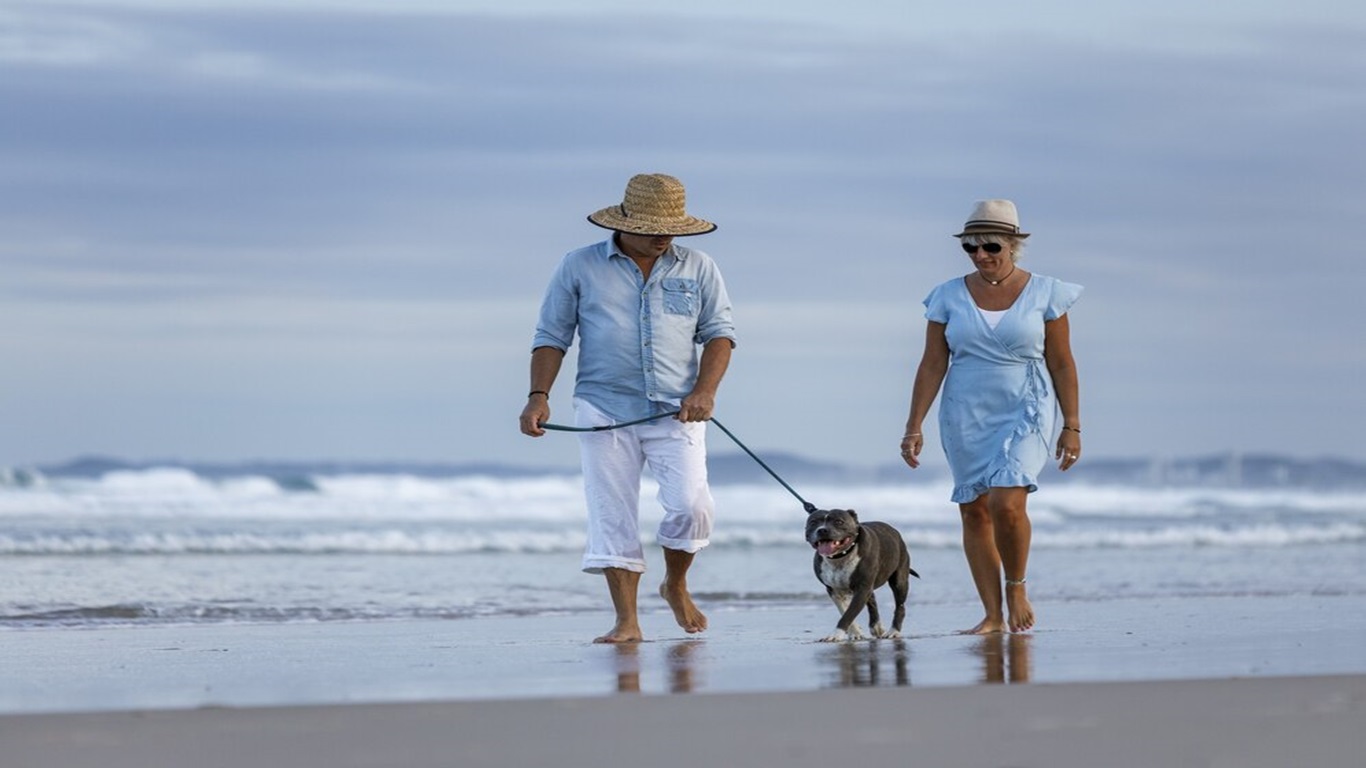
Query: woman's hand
point(911, 444)
point(1069, 449)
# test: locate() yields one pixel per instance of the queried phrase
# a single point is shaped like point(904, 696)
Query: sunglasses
point(988, 247)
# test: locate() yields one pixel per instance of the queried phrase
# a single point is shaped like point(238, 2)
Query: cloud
point(312, 172)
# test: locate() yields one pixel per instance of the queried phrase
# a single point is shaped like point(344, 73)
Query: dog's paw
point(838, 636)
point(884, 633)
point(856, 633)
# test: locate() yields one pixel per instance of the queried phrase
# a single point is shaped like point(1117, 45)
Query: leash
point(806, 505)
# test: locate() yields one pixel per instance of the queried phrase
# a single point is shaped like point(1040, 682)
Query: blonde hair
point(1014, 245)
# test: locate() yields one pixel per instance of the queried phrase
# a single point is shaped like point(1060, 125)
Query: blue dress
point(998, 413)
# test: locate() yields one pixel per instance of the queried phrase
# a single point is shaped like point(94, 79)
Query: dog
point(853, 559)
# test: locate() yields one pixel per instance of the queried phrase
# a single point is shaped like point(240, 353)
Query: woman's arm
point(934, 364)
point(1057, 355)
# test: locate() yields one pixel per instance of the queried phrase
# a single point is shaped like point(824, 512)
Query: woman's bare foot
point(629, 633)
point(685, 611)
point(988, 626)
point(1021, 611)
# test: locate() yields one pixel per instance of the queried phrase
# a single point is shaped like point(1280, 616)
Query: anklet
point(1015, 582)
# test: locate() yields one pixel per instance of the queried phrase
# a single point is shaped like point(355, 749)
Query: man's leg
point(612, 462)
point(677, 456)
point(623, 586)
point(674, 590)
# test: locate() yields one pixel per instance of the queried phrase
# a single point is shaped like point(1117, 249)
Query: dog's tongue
point(828, 548)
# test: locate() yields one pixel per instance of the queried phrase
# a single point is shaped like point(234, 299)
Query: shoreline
point(753, 651)
point(1239, 680)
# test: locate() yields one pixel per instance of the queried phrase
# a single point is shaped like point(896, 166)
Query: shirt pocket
point(680, 295)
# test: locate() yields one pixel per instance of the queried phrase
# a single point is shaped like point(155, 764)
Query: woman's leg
point(1013, 532)
point(984, 563)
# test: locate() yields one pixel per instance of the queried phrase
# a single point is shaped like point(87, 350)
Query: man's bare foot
point(1021, 611)
point(685, 612)
point(622, 634)
point(988, 626)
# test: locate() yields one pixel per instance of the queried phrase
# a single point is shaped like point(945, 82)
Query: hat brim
point(611, 218)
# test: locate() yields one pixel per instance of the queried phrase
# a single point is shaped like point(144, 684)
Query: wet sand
point(1238, 680)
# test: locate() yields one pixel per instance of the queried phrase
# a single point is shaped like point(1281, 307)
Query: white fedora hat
point(993, 217)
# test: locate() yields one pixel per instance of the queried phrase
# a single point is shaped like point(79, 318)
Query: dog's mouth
point(834, 547)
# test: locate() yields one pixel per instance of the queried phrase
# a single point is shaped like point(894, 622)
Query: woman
point(997, 340)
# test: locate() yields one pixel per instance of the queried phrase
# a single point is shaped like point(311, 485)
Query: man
point(642, 308)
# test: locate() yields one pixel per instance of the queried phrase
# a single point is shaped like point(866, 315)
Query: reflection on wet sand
point(628, 667)
point(1005, 657)
point(870, 664)
point(678, 666)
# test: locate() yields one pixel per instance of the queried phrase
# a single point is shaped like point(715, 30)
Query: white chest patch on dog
point(837, 573)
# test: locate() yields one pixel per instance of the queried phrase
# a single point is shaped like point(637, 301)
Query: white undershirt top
point(992, 316)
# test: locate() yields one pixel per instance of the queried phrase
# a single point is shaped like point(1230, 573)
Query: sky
point(302, 230)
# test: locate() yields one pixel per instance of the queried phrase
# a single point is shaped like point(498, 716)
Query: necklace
point(1002, 280)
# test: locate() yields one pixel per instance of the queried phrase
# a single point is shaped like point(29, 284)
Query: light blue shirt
point(639, 342)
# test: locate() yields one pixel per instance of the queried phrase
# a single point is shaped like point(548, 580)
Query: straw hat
point(993, 217)
point(653, 206)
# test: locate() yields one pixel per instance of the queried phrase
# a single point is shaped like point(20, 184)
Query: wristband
point(1073, 429)
point(538, 392)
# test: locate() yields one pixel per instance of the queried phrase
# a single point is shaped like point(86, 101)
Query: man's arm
point(700, 403)
point(545, 366)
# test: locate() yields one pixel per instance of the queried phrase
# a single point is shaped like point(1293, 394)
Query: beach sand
point(1241, 680)
point(1248, 723)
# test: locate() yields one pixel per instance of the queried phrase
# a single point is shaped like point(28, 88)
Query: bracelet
point(538, 392)
point(1073, 429)
point(911, 434)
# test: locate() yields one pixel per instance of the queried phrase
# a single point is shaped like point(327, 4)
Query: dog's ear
point(853, 514)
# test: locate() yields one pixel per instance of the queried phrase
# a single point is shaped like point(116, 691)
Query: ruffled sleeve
point(1064, 295)
point(936, 307)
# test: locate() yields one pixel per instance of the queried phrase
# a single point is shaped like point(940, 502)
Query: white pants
point(613, 461)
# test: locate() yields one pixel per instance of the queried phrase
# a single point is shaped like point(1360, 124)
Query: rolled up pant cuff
point(598, 564)
point(691, 546)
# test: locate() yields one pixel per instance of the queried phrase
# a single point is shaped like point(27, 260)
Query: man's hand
point(536, 413)
point(697, 406)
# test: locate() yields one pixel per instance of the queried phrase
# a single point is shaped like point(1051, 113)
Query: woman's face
point(988, 253)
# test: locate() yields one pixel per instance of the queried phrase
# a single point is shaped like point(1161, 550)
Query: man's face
point(644, 246)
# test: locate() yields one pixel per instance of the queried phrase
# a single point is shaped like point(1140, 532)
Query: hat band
point(989, 223)
point(652, 218)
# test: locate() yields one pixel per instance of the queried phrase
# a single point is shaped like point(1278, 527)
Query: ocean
point(172, 545)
